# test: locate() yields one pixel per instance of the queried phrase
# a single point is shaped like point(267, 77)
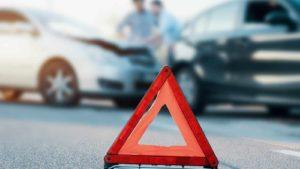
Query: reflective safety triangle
point(163, 92)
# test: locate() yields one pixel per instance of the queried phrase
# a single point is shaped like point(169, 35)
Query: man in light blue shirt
point(168, 27)
point(140, 23)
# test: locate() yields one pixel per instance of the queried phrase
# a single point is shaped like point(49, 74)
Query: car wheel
point(11, 95)
point(278, 110)
point(127, 103)
point(191, 87)
point(58, 84)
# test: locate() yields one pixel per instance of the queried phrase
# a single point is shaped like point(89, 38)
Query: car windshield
point(66, 26)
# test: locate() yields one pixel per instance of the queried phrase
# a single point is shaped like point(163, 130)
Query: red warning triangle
point(163, 92)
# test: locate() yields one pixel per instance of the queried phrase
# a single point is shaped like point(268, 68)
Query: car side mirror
point(277, 18)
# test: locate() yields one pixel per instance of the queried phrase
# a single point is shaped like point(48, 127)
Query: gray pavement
point(33, 135)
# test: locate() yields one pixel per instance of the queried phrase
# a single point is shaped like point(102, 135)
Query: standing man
point(139, 22)
point(168, 28)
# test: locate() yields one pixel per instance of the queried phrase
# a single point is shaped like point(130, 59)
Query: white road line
point(289, 152)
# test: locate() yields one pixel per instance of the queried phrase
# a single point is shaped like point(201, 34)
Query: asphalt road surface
point(33, 135)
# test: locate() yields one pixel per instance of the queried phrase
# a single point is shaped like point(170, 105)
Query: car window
point(223, 18)
point(12, 22)
point(295, 4)
point(195, 27)
point(257, 12)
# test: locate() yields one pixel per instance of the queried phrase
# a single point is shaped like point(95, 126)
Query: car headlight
point(184, 51)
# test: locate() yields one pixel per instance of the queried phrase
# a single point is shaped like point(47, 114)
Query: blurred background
point(72, 72)
point(105, 16)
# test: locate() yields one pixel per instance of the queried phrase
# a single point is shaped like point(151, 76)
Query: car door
point(267, 55)
point(18, 44)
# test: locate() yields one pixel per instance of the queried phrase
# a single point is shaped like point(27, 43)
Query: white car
point(65, 61)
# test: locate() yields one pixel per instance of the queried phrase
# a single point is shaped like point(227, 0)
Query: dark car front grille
point(109, 84)
point(141, 56)
point(142, 86)
point(143, 61)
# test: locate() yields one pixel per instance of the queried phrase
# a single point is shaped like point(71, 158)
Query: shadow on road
point(293, 118)
point(218, 111)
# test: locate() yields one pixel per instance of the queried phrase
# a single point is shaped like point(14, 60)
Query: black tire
point(108, 166)
point(11, 95)
point(198, 103)
point(127, 103)
point(56, 94)
point(278, 110)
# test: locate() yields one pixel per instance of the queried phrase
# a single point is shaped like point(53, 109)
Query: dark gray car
point(242, 52)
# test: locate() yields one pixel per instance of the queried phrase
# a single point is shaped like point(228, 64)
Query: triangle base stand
point(156, 160)
point(139, 166)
